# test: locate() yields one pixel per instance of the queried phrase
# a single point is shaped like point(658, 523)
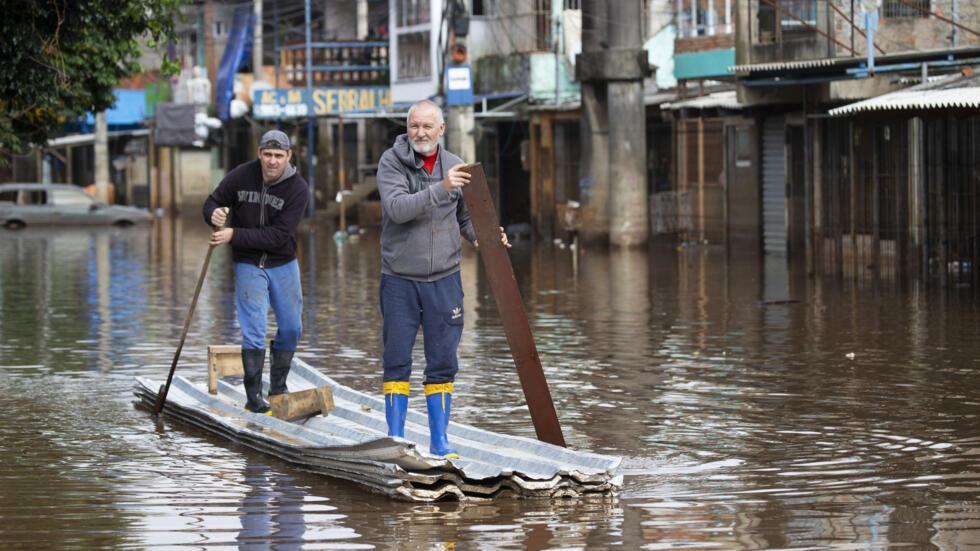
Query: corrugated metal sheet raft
point(352, 443)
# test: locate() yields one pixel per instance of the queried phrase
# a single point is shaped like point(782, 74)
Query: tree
point(62, 58)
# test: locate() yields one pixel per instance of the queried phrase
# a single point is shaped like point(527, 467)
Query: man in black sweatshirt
point(266, 199)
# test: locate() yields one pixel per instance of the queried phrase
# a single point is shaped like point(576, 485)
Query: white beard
point(424, 149)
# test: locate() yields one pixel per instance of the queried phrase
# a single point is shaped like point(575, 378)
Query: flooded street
point(753, 409)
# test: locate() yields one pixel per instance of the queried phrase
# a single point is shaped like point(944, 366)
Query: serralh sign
point(295, 102)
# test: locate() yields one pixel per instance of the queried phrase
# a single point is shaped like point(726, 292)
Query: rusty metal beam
point(508, 297)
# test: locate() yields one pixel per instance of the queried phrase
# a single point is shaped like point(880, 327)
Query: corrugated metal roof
point(914, 56)
point(717, 100)
point(352, 443)
point(788, 65)
point(954, 92)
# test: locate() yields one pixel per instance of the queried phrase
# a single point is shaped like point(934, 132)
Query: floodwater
point(754, 407)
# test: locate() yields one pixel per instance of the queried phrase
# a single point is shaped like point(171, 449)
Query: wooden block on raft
point(224, 360)
point(293, 406)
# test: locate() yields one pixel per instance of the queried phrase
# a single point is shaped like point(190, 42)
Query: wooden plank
point(500, 272)
point(294, 406)
point(223, 361)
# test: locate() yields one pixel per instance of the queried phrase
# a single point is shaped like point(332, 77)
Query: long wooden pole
point(508, 297)
point(162, 395)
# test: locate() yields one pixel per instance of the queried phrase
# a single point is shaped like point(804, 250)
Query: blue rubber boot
point(396, 407)
point(439, 400)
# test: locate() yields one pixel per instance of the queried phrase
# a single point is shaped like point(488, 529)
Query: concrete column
point(628, 201)
point(257, 42)
point(460, 127)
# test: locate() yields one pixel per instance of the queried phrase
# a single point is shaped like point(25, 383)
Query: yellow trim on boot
point(439, 388)
point(395, 387)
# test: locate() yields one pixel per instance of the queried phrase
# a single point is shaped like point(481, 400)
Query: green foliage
point(62, 58)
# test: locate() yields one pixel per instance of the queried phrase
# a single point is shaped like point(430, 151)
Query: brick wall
point(704, 43)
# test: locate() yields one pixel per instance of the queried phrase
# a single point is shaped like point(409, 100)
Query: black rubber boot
point(281, 361)
point(253, 361)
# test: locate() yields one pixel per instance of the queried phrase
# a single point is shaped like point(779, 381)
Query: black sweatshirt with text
point(263, 216)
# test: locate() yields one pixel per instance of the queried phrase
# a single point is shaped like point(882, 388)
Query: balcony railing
point(349, 63)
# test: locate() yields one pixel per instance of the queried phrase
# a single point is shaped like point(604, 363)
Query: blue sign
point(334, 100)
point(459, 85)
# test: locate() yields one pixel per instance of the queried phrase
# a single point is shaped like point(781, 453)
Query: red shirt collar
point(429, 161)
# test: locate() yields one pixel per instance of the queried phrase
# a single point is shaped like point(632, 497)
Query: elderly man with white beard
point(424, 221)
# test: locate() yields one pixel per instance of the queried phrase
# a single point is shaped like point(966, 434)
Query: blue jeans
point(436, 306)
point(255, 289)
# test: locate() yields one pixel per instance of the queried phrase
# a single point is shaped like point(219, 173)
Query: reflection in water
point(272, 509)
point(755, 407)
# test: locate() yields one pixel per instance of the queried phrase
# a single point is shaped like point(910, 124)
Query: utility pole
point(101, 158)
point(209, 54)
point(627, 66)
point(257, 42)
point(594, 126)
point(256, 61)
point(310, 173)
point(362, 19)
point(954, 37)
point(460, 123)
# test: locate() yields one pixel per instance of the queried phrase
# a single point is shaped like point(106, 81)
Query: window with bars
point(542, 24)
point(776, 17)
point(705, 17)
point(414, 61)
point(412, 12)
point(906, 8)
point(797, 14)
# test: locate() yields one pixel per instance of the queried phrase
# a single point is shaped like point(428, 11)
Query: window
point(8, 197)
point(67, 197)
point(767, 23)
point(908, 8)
point(743, 147)
point(797, 14)
point(414, 61)
point(542, 25)
point(483, 7)
point(412, 12)
point(705, 17)
point(33, 197)
point(776, 18)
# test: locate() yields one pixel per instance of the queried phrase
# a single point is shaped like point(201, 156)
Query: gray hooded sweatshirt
point(421, 224)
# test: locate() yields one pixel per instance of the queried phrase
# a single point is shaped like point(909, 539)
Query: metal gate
point(774, 186)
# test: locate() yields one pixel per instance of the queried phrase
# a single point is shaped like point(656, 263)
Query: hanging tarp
point(175, 124)
point(237, 51)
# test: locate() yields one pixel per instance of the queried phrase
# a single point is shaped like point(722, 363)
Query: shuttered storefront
point(774, 186)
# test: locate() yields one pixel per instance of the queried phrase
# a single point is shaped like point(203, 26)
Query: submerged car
point(60, 204)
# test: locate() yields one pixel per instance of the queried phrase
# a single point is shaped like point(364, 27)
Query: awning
point(74, 140)
point(129, 109)
point(717, 100)
point(955, 92)
point(782, 73)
